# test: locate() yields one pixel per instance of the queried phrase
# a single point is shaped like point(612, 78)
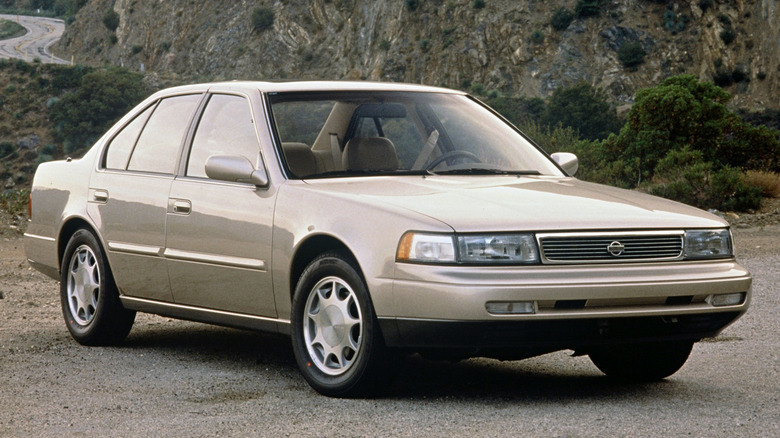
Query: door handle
point(100, 196)
point(181, 206)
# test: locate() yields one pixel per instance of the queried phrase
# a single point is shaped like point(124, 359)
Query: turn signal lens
point(511, 307)
point(721, 300)
point(426, 248)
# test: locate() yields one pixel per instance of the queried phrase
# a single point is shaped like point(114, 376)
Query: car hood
point(503, 203)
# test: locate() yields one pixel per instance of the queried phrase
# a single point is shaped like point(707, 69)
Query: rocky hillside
point(506, 46)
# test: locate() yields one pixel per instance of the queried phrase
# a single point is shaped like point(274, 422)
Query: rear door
point(128, 196)
point(218, 233)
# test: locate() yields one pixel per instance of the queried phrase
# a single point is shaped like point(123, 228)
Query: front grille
point(610, 247)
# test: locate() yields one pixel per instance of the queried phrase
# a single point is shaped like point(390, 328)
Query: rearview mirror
point(235, 168)
point(568, 162)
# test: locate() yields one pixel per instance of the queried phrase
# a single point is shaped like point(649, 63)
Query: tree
point(583, 108)
point(103, 96)
point(684, 112)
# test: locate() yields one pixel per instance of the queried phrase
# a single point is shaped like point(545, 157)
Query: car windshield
point(365, 133)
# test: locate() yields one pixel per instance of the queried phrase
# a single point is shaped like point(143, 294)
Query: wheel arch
point(67, 231)
point(310, 249)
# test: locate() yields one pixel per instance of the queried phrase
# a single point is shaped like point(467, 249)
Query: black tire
point(335, 335)
point(642, 362)
point(90, 300)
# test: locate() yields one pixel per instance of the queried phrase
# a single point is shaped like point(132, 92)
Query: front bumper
point(574, 306)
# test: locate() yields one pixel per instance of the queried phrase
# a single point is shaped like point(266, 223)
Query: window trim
point(137, 111)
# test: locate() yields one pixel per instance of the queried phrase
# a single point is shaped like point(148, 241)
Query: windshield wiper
point(483, 171)
point(358, 172)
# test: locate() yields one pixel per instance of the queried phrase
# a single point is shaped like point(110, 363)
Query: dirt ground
point(176, 378)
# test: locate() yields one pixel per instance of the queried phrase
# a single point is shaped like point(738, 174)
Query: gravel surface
point(175, 378)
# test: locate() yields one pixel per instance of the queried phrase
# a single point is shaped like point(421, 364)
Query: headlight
point(708, 244)
point(501, 248)
point(468, 249)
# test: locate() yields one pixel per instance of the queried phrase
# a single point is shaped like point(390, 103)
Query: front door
point(218, 246)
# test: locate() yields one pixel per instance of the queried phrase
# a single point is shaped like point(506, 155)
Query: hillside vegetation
point(515, 48)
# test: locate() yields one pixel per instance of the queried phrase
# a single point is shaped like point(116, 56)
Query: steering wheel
point(450, 156)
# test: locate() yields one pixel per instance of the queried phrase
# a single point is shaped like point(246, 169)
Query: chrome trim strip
point(144, 303)
point(35, 236)
point(235, 262)
point(132, 248)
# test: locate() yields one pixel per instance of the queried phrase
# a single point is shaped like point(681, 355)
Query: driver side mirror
point(568, 162)
point(235, 168)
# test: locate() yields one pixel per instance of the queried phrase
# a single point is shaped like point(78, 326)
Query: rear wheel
point(335, 334)
point(90, 300)
point(642, 362)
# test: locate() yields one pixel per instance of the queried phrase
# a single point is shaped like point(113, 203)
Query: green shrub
point(583, 108)
point(7, 150)
point(136, 49)
point(684, 113)
point(262, 19)
point(728, 35)
point(537, 37)
point(478, 4)
point(102, 97)
point(631, 55)
point(384, 45)
point(587, 8)
point(561, 19)
point(683, 175)
point(111, 20)
point(412, 4)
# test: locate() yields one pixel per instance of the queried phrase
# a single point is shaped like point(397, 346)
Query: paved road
point(180, 379)
point(41, 34)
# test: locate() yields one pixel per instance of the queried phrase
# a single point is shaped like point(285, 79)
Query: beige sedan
point(366, 220)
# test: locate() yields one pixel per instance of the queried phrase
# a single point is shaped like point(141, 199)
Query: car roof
point(306, 86)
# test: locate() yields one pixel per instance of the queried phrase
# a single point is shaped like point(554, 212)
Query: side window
point(122, 144)
point(225, 128)
point(157, 148)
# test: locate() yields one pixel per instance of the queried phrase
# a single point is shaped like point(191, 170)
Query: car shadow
point(412, 377)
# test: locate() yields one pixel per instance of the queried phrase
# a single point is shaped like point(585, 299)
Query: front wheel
point(90, 300)
point(335, 334)
point(642, 362)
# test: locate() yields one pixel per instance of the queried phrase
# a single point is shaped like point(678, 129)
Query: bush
point(561, 19)
point(537, 37)
point(478, 4)
point(728, 35)
point(768, 182)
point(684, 176)
point(111, 20)
point(7, 150)
point(587, 8)
point(583, 108)
point(680, 137)
point(412, 4)
point(102, 97)
point(631, 55)
point(262, 19)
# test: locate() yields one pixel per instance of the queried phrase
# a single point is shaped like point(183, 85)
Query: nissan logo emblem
point(616, 248)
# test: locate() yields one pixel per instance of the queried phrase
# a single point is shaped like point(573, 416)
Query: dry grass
point(768, 182)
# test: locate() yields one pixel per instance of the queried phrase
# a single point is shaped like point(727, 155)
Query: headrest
point(300, 159)
point(370, 153)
